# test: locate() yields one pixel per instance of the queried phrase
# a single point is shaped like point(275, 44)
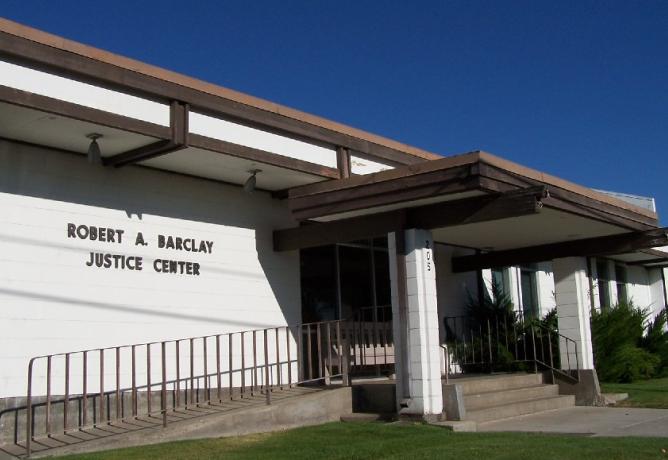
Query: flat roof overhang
point(478, 201)
point(56, 124)
point(26, 45)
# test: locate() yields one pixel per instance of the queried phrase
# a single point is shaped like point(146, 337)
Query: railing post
point(192, 373)
point(278, 359)
point(489, 344)
point(84, 396)
point(66, 403)
point(254, 384)
point(549, 341)
point(119, 414)
point(328, 365)
point(309, 353)
point(101, 415)
point(577, 361)
point(134, 381)
point(339, 348)
point(207, 392)
point(148, 379)
point(345, 377)
point(29, 427)
point(243, 366)
point(533, 343)
point(287, 349)
point(48, 396)
point(218, 375)
point(163, 392)
point(177, 396)
point(267, 389)
point(230, 366)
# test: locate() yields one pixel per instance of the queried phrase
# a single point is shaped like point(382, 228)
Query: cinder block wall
point(53, 302)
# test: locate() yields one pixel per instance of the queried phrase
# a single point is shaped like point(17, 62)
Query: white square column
point(416, 324)
point(573, 310)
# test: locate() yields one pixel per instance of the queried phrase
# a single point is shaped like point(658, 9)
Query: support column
point(415, 324)
point(571, 292)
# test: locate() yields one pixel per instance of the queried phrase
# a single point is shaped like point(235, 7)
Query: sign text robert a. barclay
point(136, 263)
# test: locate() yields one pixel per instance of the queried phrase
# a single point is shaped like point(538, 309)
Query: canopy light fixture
point(249, 186)
point(94, 154)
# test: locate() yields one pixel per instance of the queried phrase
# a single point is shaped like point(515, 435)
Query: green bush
point(656, 340)
point(628, 363)
point(626, 346)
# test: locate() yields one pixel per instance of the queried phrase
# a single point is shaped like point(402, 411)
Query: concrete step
point(497, 382)
point(500, 397)
point(367, 417)
point(517, 408)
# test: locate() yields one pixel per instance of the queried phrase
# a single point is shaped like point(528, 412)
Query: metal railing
point(371, 340)
point(499, 344)
point(98, 387)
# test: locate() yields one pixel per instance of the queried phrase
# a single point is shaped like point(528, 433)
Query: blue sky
point(578, 89)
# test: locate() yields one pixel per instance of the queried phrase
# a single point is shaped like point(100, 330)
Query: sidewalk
point(592, 421)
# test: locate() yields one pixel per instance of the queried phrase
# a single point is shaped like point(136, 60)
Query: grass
point(644, 393)
point(393, 441)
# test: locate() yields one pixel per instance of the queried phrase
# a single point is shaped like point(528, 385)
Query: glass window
point(356, 279)
point(620, 279)
point(529, 286)
point(363, 271)
point(499, 279)
point(382, 275)
point(318, 281)
point(603, 280)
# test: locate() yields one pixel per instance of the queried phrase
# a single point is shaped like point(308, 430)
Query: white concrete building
point(201, 213)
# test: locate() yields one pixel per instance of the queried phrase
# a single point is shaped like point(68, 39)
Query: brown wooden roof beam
point(604, 245)
point(444, 214)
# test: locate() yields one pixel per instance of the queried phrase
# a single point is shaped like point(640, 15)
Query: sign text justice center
point(136, 263)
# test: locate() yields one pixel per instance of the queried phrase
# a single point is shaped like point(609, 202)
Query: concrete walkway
point(592, 421)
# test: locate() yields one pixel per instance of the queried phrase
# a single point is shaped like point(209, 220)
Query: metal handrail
point(315, 344)
point(495, 342)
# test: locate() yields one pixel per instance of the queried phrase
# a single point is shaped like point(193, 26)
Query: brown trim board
point(178, 125)
point(172, 138)
point(497, 179)
point(459, 173)
point(261, 156)
point(29, 45)
point(447, 181)
point(444, 214)
point(343, 162)
point(603, 245)
point(81, 113)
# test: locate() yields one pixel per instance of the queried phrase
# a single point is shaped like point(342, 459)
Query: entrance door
point(351, 281)
point(345, 280)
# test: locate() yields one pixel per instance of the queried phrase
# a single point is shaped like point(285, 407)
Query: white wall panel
point(224, 130)
point(50, 301)
point(453, 288)
point(359, 165)
point(76, 92)
point(638, 287)
point(546, 291)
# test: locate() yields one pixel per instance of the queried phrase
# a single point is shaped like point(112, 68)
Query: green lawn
point(388, 441)
point(644, 393)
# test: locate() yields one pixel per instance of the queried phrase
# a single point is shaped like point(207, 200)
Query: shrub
point(626, 346)
point(656, 340)
point(628, 363)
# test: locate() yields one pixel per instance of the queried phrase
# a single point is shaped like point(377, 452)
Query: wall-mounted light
point(251, 182)
point(94, 154)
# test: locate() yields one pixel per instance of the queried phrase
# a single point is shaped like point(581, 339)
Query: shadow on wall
point(130, 309)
